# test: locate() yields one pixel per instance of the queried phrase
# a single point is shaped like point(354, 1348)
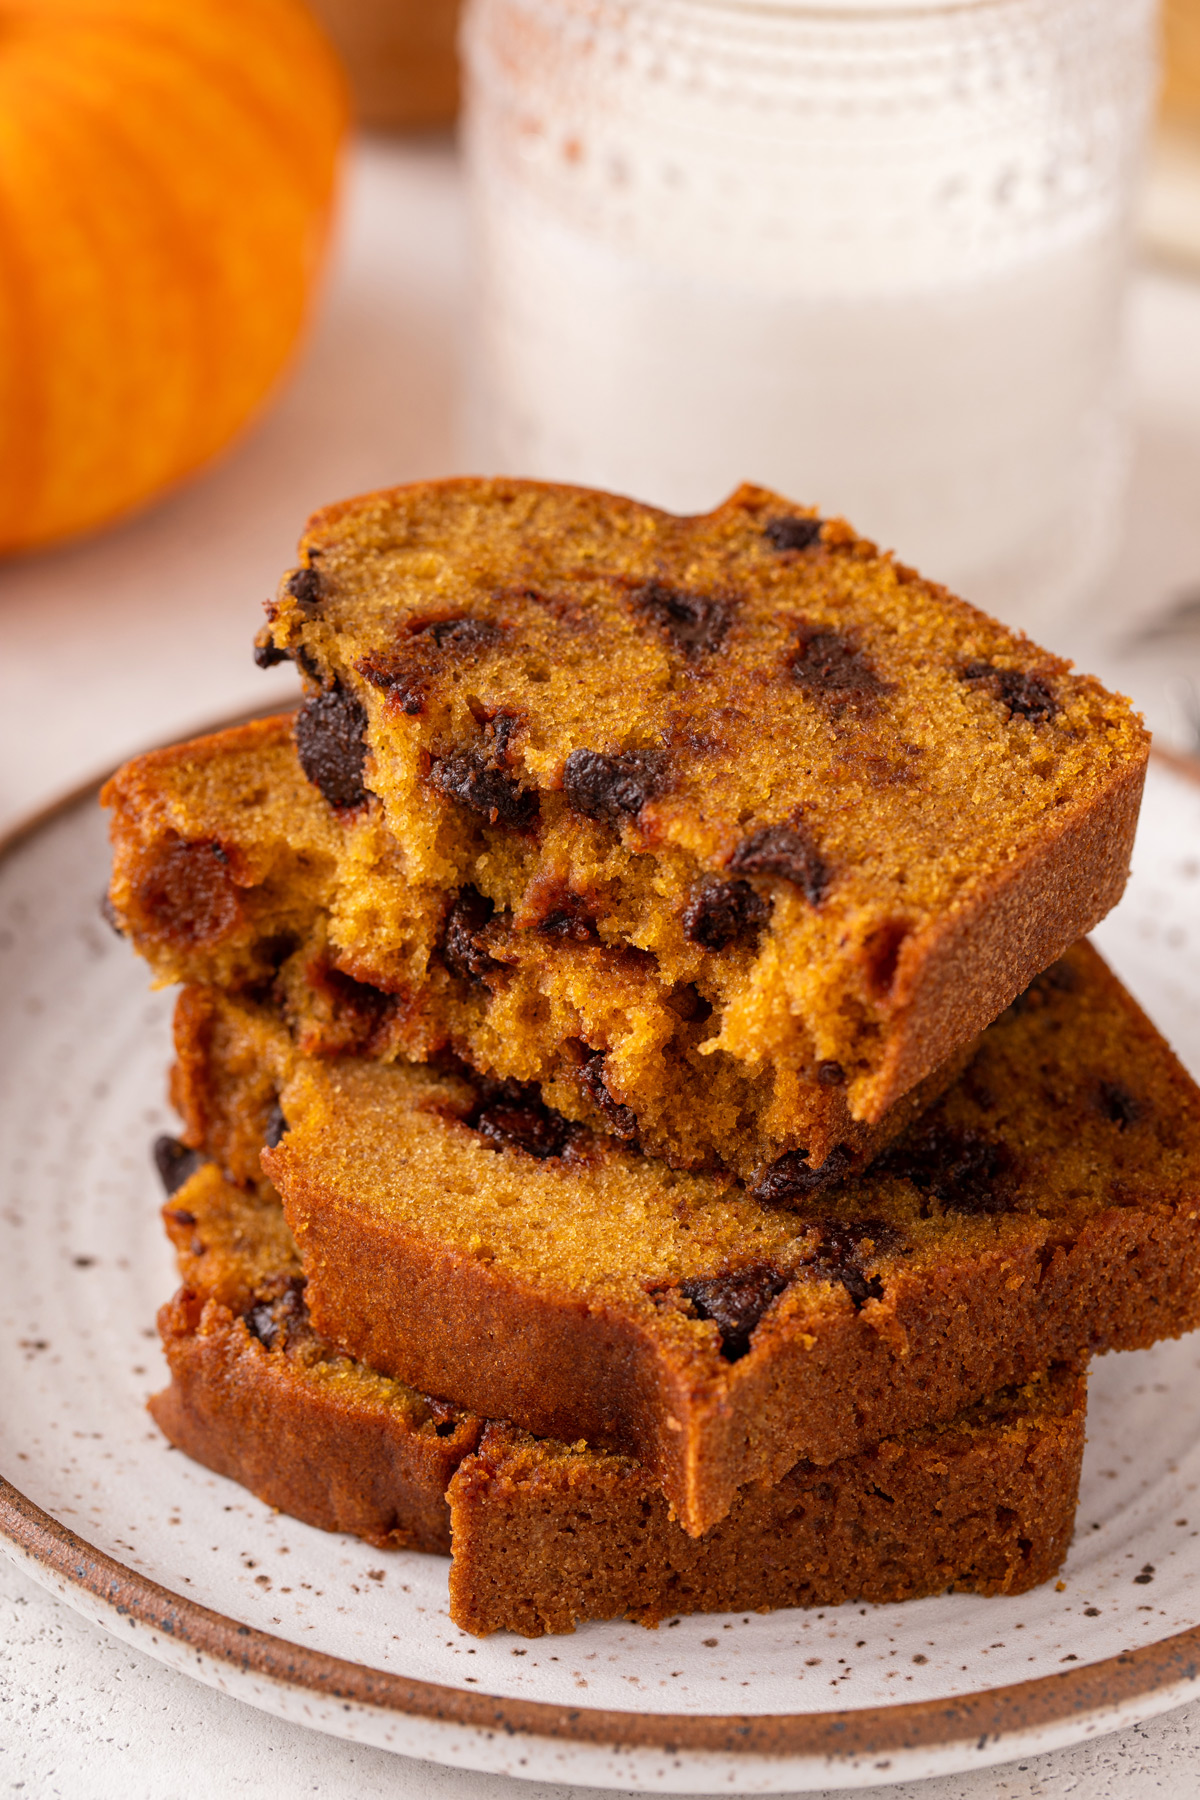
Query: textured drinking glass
point(873, 258)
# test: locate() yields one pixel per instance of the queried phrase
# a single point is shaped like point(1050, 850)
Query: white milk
point(875, 262)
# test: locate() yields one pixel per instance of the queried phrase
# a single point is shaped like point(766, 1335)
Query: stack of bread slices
point(652, 1128)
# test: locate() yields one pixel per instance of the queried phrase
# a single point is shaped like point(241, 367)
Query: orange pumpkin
point(167, 169)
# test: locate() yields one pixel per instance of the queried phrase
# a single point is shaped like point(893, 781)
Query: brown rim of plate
point(983, 1718)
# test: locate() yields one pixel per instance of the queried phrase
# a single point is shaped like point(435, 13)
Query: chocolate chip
point(569, 916)
point(831, 1074)
point(305, 587)
point(471, 778)
point(791, 1177)
point(180, 1215)
point(175, 1162)
point(696, 624)
point(108, 913)
point(461, 635)
point(791, 533)
point(722, 911)
point(621, 1121)
point(511, 1115)
point(271, 1321)
point(1025, 696)
point(843, 1248)
point(330, 742)
point(735, 1302)
point(462, 936)
point(963, 1170)
point(189, 893)
point(786, 851)
point(275, 1127)
point(830, 666)
point(406, 685)
point(612, 788)
point(534, 1130)
point(1119, 1105)
point(267, 654)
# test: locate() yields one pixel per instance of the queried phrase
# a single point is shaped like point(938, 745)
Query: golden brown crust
point(547, 1537)
point(1045, 1207)
point(312, 1447)
point(257, 1396)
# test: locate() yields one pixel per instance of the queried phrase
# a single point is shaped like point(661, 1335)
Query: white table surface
point(143, 634)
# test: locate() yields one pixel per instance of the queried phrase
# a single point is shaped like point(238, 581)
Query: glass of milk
point(870, 256)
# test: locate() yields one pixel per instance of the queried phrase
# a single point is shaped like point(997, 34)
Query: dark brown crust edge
point(302, 1447)
point(978, 1719)
point(955, 979)
point(539, 1548)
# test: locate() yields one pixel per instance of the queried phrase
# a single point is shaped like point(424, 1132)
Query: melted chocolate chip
point(1119, 1105)
point(786, 851)
point(189, 892)
point(358, 1008)
point(841, 1253)
point(275, 1127)
point(463, 635)
point(611, 788)
point(696, 624)
point(472, 779)
point(330, 742)
point(963, 1170)
point(305, 587)
point(831, 1074)
point(723, 911)
point(790, 1177)
point(832, 667)
point(620, 1120)
point(791, 533)
point(175, 1162)
point(569, 917)
point(268, 654)
point(405, 686)
point(462, 936)
point(735, 1302)
point(511, 1115)
point(1025, 696)
point(535, 1130)
point(179, 1215)
point(270, 1321)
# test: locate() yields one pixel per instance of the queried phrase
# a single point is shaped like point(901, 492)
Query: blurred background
point(256, 260)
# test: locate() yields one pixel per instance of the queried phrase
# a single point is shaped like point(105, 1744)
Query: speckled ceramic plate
point(326, 1631)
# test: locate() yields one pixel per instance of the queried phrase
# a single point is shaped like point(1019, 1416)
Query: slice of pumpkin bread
point(232, 870)
point(465, 1238)
point(545, 1534)
point(727, 828)
point(856, 814)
